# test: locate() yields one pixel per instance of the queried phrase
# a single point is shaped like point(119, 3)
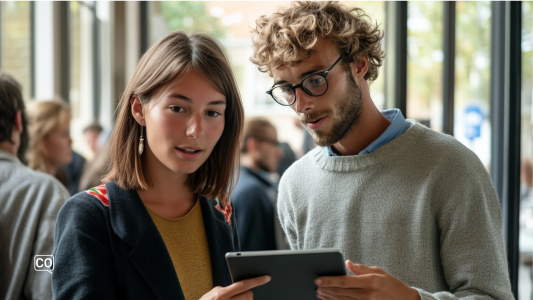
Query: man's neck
point(372, 123)
point(247, 161)
point(8, 147)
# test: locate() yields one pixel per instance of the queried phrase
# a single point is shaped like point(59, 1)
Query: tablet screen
point(292, 272)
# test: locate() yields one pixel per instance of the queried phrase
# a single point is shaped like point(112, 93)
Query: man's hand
point(368, 283)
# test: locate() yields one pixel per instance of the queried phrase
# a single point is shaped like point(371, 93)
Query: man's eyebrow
point(304, 74)
point(187, 99)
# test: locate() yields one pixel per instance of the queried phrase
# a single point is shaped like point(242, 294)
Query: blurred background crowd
point(73, 60)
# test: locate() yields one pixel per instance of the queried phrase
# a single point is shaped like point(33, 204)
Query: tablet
point(292, 272)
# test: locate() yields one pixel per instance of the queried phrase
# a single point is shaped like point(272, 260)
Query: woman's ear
point(137, 110)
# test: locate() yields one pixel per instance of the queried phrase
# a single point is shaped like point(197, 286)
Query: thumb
point(358, 269)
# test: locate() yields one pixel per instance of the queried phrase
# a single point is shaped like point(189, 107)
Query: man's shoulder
point(437, 144)
point(20, 177)
point(248, 188)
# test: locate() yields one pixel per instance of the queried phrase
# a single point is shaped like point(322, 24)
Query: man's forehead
point(320, 59)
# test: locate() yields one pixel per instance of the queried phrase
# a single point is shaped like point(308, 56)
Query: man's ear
point(360, 68)
point(18, 122)
point(137, 110)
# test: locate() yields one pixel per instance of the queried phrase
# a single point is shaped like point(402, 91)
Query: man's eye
point(176, 108)
point(316, 81)
point(213, 113)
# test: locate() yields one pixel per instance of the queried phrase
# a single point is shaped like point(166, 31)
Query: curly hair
point(281, 38)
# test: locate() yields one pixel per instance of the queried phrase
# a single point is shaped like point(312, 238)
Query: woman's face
point(57, 146)
point(184, 121)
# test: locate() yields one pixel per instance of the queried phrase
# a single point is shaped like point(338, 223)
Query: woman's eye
point(213, 113)
point(176, 108)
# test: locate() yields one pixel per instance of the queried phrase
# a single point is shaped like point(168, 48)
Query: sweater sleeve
point(472, 251)
point(83, 264)
point(285, 214)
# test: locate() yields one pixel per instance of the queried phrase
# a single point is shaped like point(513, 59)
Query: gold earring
point(141, 142)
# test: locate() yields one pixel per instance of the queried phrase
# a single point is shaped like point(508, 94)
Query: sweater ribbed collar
point(387, 152)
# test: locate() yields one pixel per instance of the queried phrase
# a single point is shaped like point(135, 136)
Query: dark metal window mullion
point(65, 45)
point(506, 121)
point(448, 84)
point(512, 137)
point(33, 73)
point(1, 34)
point(96, 62)
point(143, 26)
point(401, 57)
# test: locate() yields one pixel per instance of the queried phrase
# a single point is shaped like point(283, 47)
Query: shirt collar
point(398, 126)
point(9, 157)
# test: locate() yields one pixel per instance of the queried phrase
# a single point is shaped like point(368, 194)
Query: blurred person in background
point(91, 134)
point(94, 170)
point(254, 197)
point(29, 205)
point(50, 143)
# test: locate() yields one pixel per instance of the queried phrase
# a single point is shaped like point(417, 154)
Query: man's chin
point(321, 138)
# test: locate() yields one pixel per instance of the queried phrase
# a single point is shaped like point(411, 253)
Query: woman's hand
point(237, 291)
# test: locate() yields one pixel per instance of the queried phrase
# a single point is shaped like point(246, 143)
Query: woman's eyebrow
point(187, 99)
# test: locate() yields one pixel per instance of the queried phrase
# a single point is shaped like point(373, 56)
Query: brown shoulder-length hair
point(172, 57)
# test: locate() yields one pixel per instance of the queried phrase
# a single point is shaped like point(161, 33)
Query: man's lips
point(316, 123)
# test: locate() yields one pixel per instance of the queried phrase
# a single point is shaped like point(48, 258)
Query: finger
point(327, 296)
point(246, 285)
point(345, 292)
point(248, 295)
point(355, 281)
point(359, 269)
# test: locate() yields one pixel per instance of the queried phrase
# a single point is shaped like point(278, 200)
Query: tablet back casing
point(292, 274)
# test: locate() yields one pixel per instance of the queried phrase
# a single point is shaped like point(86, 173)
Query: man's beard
point(348, 109)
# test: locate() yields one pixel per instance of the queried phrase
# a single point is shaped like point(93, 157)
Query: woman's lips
point(188, 155)
point(316, 124)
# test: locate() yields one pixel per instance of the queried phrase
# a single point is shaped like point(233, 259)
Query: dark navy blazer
point(108, 247)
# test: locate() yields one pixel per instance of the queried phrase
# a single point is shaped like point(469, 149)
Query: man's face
point(329, 117)
point(267, 153)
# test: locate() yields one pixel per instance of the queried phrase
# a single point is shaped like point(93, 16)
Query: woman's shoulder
point(92, 203)
point(222, 212)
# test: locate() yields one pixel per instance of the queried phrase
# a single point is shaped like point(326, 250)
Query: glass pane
point(525, 291)
point(424, 63)
point(16, 43)
point(472, 77)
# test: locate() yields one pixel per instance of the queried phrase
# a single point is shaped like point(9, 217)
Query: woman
point(50, 149)
point(152, 231)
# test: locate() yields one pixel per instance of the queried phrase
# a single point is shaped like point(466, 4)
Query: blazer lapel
point(132, 223)
point(220, 240)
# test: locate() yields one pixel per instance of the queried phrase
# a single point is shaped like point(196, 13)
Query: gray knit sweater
point(422, 208)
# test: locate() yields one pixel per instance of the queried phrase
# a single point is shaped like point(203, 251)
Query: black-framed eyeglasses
point(313, 85)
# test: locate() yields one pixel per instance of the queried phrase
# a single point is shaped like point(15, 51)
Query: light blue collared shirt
point(398, 126)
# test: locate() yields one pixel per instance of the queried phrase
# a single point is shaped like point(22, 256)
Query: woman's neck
point(169, 195)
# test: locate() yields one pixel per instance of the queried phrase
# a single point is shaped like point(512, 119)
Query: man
point(91, 134)
point(29, 205)
point(387, 191)
point(254, 196)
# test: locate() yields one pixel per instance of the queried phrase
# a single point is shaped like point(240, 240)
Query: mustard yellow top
point(187, 245)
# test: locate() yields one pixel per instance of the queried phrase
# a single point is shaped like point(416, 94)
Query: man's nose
point(303, 102)
point(195, 126)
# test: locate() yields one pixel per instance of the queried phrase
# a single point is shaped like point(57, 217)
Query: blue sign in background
point(473, 118)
